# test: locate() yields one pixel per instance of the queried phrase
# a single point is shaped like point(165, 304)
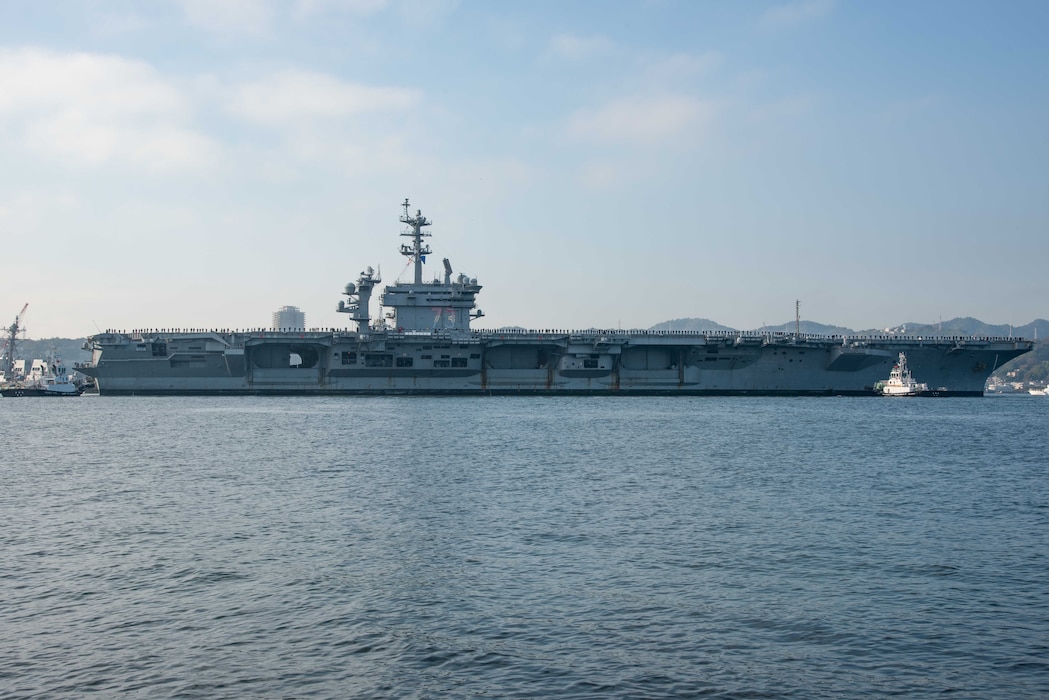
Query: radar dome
point(350, 288)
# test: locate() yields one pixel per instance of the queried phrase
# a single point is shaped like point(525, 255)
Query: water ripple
point(522, 548)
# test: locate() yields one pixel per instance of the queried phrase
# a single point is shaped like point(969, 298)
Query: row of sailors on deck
point(589, 331)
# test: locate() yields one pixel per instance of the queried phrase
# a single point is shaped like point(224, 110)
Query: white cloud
point(94, 109)
point(356, 7)
point(796, 13)
point(354, 155)
point(415, 13)
point(22, 213)
point(505, 35)
point(32, 79)
point(292, 96)
point(644, 120)
point(671, 72)
point(426, 13)
point(112, 25)
point(630, 68)
point(154, 147)
point(230, 16)
point(259, 17)
point(579, 48)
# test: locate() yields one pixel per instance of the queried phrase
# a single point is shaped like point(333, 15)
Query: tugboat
point(900, 382)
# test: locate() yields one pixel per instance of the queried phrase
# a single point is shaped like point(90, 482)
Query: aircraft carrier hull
point(603, 362)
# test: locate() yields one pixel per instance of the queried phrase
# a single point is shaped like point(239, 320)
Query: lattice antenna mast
point(10, 345)
point(417, 249)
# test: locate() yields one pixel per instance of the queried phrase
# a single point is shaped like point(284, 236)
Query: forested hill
point(1037, 329)
point(69, 349)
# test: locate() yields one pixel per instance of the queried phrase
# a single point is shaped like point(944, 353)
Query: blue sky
point(201, 163)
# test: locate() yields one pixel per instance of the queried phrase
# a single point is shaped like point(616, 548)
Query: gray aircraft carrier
point(423, 344)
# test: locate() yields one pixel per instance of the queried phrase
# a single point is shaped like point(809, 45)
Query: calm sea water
point(524, 547)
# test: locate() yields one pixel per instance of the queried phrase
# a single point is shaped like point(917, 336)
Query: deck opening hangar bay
point(423, 344)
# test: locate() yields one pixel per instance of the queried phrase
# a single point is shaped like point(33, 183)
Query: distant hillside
point(1032, 367)
point(809, 327)
point(705, 324)
point(971, 326)
point(1038, 329)
point(690, 324)
point(69, 349)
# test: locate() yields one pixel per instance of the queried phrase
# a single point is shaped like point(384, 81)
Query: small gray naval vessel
point(424, 345)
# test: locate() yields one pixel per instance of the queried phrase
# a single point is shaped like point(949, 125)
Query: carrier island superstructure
point(423, 344)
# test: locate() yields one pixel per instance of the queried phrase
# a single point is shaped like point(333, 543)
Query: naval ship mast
point(9, 348)
point(436, 306)
point(360, 295)
point(417, 250)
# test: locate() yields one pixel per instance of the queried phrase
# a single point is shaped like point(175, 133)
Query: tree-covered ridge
point(1032, 368)
point(69, 349)
point(1037, 329)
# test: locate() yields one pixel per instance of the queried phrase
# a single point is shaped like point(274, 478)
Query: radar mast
point(417, 249)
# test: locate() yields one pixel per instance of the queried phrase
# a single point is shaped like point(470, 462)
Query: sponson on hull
point(424, 344)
